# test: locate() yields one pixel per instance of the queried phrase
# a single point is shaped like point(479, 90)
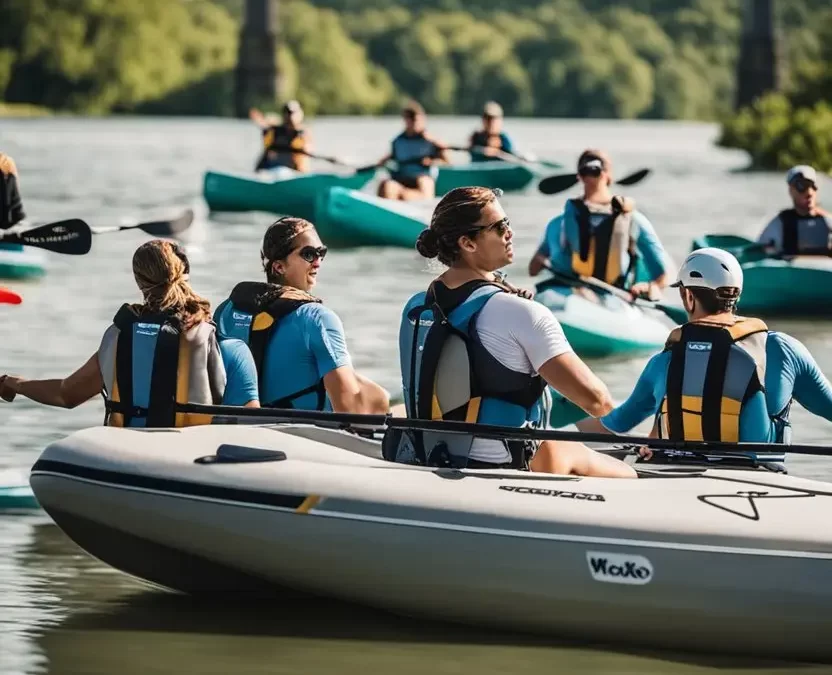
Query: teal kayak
point(800, 285)
point(347, 218)
point(15, 493)
point(504, 175)
point(19, 262)
point(600, 324)
point(286, 193)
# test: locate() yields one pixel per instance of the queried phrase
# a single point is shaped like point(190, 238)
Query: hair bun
point(427, 244)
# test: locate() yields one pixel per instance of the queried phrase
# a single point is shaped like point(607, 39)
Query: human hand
point(645, 289)
point(9, 387)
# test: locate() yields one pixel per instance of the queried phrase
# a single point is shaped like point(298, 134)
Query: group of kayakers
point(414, 154)
point(473, 347)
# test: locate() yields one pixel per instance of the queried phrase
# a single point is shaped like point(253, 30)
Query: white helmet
point(710, 268)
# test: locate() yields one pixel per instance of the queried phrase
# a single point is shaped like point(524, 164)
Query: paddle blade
point(634, 178)
point(70, 237)
point(553, 184)
point(9, 297)
point(166, 228)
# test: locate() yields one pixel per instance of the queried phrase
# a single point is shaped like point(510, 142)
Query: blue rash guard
point(561, 237)
point(791, 372)
point(480, 138)
point(240, 373)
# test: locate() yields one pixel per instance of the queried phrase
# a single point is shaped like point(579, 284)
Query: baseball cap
point(802, 171)
point(413, 109)
point(492, 109)
point(292, 106)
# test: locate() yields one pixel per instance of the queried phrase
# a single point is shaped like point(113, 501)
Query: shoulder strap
point(745, 327)
point(584, 227)
point(788, 221)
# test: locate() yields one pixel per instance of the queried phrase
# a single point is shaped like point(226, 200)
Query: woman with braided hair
point(156, 354)
point(297, 343)
point(473, 349)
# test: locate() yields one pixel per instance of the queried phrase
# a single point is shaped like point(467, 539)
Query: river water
point(62, 612)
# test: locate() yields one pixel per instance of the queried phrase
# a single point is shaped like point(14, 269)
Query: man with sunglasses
point(603, 236)
point(298, 344)
point(804, 229)
point(416, 154)
point(486, 142)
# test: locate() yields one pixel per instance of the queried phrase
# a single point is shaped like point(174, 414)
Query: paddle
point(324, 158)
point(553, 184)
point(156, 228)
point(9, 297)
point(505, 156)
point(346, 420)
point(675, 313)
point(70, 237)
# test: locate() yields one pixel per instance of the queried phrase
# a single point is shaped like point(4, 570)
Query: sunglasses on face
point(312, 253)
point(594, 171)
point(500, 227)
point(802, 184)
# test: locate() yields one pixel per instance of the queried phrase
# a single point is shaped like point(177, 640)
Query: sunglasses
point(311, 253)
point(500, 227)
point(594, 171)
point(803, 184)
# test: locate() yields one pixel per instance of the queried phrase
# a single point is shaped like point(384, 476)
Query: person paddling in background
point(472, 349)
point(603, 236)
point(298, 344)
point(721, 377)
point(280, 140)
point(804, 229)
point(490, 140)
point(416, 153)
point(157, 353)
point(11, 205)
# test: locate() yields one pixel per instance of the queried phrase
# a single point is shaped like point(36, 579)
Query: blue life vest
point(448, 374)
point(156, 369)
point(252, 313)
point(485, 140)
point(714, 369)
point(407, 150)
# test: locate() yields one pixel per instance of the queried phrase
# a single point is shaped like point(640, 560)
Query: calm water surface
point(62, 612)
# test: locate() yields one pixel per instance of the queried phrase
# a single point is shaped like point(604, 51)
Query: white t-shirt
point(522, 335)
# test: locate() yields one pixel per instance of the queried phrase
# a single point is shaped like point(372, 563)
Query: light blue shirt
point(561, 237)
point(240, 373)
point(791, 372)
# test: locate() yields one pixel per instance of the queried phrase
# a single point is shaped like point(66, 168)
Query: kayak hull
point(280, 193)
point(19, 262)
point(504, 175)
point(15, 492)
point(348, 218)
point(799, 286)
point(686, 554)
point(603, 325)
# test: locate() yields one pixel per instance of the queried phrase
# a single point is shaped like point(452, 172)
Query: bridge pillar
point(257, 81)
point(759, 68)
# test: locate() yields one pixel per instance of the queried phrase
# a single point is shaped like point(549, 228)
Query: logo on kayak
point(564, 494)
point(617, 568)
point(699, 346)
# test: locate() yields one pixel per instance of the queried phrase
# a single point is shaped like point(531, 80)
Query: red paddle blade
point(9, 297)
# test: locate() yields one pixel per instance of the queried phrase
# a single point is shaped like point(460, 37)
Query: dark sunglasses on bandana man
point(592, 167)
point(312, 253)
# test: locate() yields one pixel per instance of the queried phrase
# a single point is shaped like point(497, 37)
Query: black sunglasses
point(500, 227)
point(590, 171)
point(803, 184)
point(312, 253)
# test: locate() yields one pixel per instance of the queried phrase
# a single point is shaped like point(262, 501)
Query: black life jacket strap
point(675, 377)
point(714, 385)
point(788, 221)
point(288, 401)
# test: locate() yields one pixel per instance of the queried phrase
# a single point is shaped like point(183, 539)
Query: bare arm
point(573, 379)
point(350, 392)
point(537, 264)
point(258, 118)
point(81, 386)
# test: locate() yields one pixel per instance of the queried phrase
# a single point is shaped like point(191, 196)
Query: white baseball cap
point(802, 171)
point(709, 268)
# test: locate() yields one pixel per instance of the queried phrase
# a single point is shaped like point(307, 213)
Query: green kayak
point(19, 262)
point(15, 493)
point(286, 192)
point(600, 324)
point(505, 175)
point(346, 218)
point(801, 285)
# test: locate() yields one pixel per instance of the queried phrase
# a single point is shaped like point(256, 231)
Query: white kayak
point(687, 558)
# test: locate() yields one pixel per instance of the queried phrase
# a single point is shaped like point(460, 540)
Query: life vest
point(814, 238)
point(406, 148)
point(601, 248)
point(11, 205)
point(485, 140)
point(714, 369)
point(151, 365)
point(448, 374)
point(281, 140)
point(252, 314)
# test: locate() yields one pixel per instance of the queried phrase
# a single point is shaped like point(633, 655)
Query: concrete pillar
point(256, 78)
point(759, 68)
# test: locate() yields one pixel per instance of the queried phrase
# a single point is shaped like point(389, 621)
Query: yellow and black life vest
point(282, 140)
point(714, 369)
point(601, 248)
point(154, 366)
